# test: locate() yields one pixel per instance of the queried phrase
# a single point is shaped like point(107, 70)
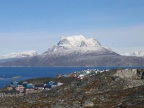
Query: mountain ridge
point(19, 54)
point(135, 53)
point(77, 51)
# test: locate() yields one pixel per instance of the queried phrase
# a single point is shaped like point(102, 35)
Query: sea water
point(9, 74)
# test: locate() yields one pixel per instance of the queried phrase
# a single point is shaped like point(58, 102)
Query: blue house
point(51, 83)
point(15, 84)
point(29, 85)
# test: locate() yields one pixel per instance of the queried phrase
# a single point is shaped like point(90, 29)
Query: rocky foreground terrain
point(118, 88)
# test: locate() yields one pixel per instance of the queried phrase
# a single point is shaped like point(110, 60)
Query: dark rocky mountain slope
point(79, 60)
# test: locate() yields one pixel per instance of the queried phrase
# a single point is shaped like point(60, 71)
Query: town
point(21, 88)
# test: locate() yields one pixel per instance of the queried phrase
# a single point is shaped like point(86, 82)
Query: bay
point(9, 74)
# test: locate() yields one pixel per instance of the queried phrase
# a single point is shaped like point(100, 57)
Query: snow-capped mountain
point(77, 44)
point(19, 54)
point(136, 53)
point(78, 51)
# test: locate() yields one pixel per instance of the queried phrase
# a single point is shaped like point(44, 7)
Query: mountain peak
point(78, 44)
point(78, 41)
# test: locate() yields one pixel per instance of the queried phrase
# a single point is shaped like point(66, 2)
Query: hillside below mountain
point(78, 51)
point(117, 88)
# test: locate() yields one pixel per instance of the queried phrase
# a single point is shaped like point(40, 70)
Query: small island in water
point(15, 77)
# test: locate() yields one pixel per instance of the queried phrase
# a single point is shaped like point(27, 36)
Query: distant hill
point(136, 53)
point(15, 55)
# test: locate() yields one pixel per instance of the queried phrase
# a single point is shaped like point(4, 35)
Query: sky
point(39, 24)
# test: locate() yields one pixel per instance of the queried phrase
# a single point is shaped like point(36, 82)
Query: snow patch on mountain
point(19, 54)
